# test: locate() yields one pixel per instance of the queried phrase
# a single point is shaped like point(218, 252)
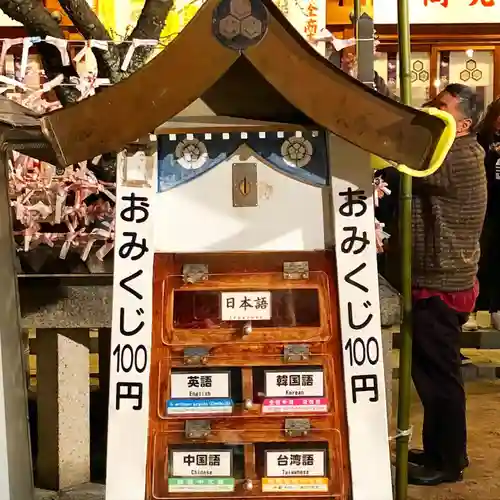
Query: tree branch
point(38, 22)
point(149, 27)
point(89, 25)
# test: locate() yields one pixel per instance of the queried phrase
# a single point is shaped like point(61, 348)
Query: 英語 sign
point(194, 385)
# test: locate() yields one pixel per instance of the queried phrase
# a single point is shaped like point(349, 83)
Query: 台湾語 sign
point(361, 334)
point(245, 306)
point(287, 384)
point(194, 385)
point(130, 337)
point(295, 463)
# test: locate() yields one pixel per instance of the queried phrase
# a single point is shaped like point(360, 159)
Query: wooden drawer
point(227, 309)
point(245, 468)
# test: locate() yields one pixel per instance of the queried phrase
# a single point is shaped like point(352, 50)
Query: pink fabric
point(463, 301)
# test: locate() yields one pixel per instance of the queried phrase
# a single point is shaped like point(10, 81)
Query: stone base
point(89, 491)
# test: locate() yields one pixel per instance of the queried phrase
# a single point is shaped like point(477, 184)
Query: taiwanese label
point(295, 463)
point(245, 306)
point(308, 383)
point(198, 385)
point(205, 463)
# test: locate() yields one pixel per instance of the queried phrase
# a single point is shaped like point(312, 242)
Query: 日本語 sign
point(245, 306)
point(193, 385)
point(202, 463)
point(361, 334)
point(130, 337)
point(293, 383)
point(439, 11)
point(296, 463)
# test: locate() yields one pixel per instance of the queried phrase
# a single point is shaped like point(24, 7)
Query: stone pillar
point(63, 395)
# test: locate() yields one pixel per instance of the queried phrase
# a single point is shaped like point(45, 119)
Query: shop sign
point(245, 306)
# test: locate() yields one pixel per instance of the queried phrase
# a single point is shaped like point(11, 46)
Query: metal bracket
point(193, 273)
point(196, 355)
point(197, 429)
point(295, 352)
point(296, 270)
point(297, 427)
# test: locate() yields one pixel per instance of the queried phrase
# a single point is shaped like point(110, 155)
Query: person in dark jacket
point(489, 265)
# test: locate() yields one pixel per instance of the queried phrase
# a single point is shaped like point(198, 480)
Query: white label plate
point(295, 463)
point(199, 385)
point(245, 306)
point(290, 384)
point(201, 463)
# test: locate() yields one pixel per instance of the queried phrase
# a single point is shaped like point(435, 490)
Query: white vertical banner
point(131, 328)
point(308, 17)
point(361, 332)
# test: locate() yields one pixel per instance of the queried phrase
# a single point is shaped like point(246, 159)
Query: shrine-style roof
point(244, 60)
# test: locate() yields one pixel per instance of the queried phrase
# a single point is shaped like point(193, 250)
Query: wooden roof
point(280, 79)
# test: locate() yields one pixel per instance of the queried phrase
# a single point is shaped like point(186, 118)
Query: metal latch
point(193, 273)
point(296, 270)
point(296, 352)
point(297, 427)
point(196, 355)
point(197, 429)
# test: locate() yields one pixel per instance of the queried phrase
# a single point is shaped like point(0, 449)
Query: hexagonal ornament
point(464, 75)
point(413, 76)
point(470, 64)
point(477, 74)
point(251, 27)
point(418, 66)
point(423, 76)
point(229, 27)
point(240, 9)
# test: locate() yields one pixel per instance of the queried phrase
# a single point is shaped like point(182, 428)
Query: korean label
point(193, 385)
point(277, 485)
point(295, 405)
point(131, 333)
point(202, 463)
point(296, 463)
point(293, 383)
point(201, 485)
point(360, 327)
point(245, 306)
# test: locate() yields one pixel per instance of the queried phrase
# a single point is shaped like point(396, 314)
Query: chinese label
point(360, 327)
point(205, 485)
point(130, 336)
point(295, 463)
point(245, 306)
point(295, 405)
point(204, 463)
point(276, 485)
point(293, 383)
point(193, 385)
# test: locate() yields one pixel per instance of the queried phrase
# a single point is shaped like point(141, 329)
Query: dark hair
point(486, 128)
point(469, 105)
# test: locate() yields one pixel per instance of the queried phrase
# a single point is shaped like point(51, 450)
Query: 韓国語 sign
point(201, 463)
point(194, 385)
point(295, 463)
point(131, 332)
point(308, 383)
point(245, 306)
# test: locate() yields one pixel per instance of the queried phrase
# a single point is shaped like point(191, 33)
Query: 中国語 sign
point(439, 11)
point(245, 306)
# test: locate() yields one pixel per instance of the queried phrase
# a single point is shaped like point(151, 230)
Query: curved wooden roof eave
point(195, 61)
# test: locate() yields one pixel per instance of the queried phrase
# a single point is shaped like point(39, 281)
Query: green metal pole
point(404, 399)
